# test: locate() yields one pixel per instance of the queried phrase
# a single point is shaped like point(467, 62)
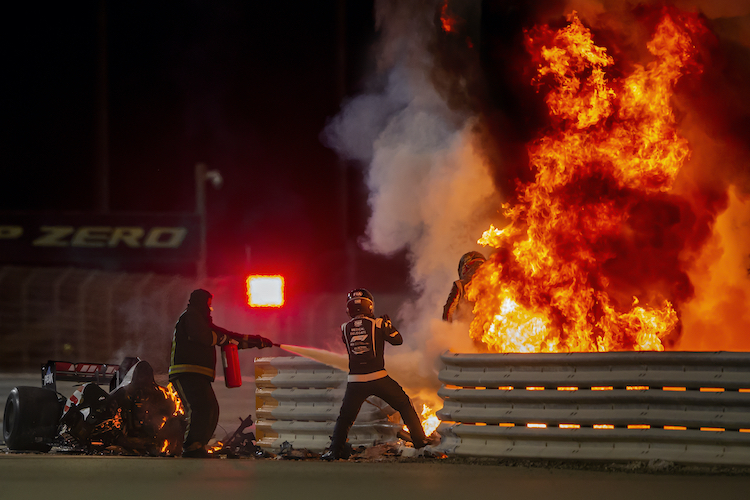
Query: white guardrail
point(298, 401)
point(683, 407)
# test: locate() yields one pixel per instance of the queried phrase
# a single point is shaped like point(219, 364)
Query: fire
point(448, 22)
point(171, 394)
point(107, 425)
point(612, 143)
point(429, 419)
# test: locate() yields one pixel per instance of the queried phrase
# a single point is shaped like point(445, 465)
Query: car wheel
point(31, 418)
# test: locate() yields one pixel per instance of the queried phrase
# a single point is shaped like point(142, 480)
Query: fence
point(298, 401)
point(63, 313)
point(675, 406)
point(89, 315)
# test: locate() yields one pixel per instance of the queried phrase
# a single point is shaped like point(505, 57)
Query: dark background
point(133, 94)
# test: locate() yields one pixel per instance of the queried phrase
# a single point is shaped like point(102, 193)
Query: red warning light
point(265, 291)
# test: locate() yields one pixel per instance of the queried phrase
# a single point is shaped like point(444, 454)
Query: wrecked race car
point(136, 415)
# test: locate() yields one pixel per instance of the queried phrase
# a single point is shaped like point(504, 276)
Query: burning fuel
point(612, 148)
point(430, 421)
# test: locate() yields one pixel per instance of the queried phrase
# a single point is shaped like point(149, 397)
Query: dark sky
point(245, 87)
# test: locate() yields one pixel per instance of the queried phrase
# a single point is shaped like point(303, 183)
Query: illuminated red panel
point(265, 291)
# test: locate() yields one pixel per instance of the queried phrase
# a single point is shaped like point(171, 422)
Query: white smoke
point(430, 192)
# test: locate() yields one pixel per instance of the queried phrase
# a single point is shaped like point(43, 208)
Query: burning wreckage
point(135, 416)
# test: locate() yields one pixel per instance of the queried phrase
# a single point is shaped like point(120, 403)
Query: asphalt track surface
point(53, 475)
point(27, 476)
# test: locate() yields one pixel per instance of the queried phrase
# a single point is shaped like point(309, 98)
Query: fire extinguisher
point(230, 358)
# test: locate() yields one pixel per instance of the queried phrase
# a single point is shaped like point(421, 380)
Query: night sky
point(245, 87)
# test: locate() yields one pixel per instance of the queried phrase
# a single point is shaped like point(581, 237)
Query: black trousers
point(201, 407)
point(389, 391)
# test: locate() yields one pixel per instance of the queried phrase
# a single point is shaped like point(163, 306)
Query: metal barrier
point(683, 407)
point(298, 401)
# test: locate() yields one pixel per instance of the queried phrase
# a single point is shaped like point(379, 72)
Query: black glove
point(249, 341)
point(387, 324)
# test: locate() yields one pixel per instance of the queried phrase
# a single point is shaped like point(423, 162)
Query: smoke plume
point(442, 133)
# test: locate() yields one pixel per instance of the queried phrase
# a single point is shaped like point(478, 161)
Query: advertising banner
point(111, 241)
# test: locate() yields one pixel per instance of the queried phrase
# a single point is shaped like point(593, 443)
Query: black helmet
point(360, 302)
point(470, 262)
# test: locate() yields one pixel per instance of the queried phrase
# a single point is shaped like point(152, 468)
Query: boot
point(330, 455)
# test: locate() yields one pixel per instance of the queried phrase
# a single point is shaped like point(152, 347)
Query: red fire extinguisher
point(230, 358)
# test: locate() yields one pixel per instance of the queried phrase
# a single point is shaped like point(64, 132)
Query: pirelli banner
point(121, 240)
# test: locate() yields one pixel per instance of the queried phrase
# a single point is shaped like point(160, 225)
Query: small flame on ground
point(429, 420)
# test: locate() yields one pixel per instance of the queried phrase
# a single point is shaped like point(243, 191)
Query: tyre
point(31, 419)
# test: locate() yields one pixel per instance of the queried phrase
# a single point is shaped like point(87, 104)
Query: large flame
point(612, 142)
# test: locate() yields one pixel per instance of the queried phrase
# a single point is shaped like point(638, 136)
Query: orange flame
point(429, 420)
point(110, 424)
point(171, 394)
point(544, 289)
point(215, 448)
point(448, 22)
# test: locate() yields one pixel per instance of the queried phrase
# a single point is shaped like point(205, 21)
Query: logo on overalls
point(359, 338)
